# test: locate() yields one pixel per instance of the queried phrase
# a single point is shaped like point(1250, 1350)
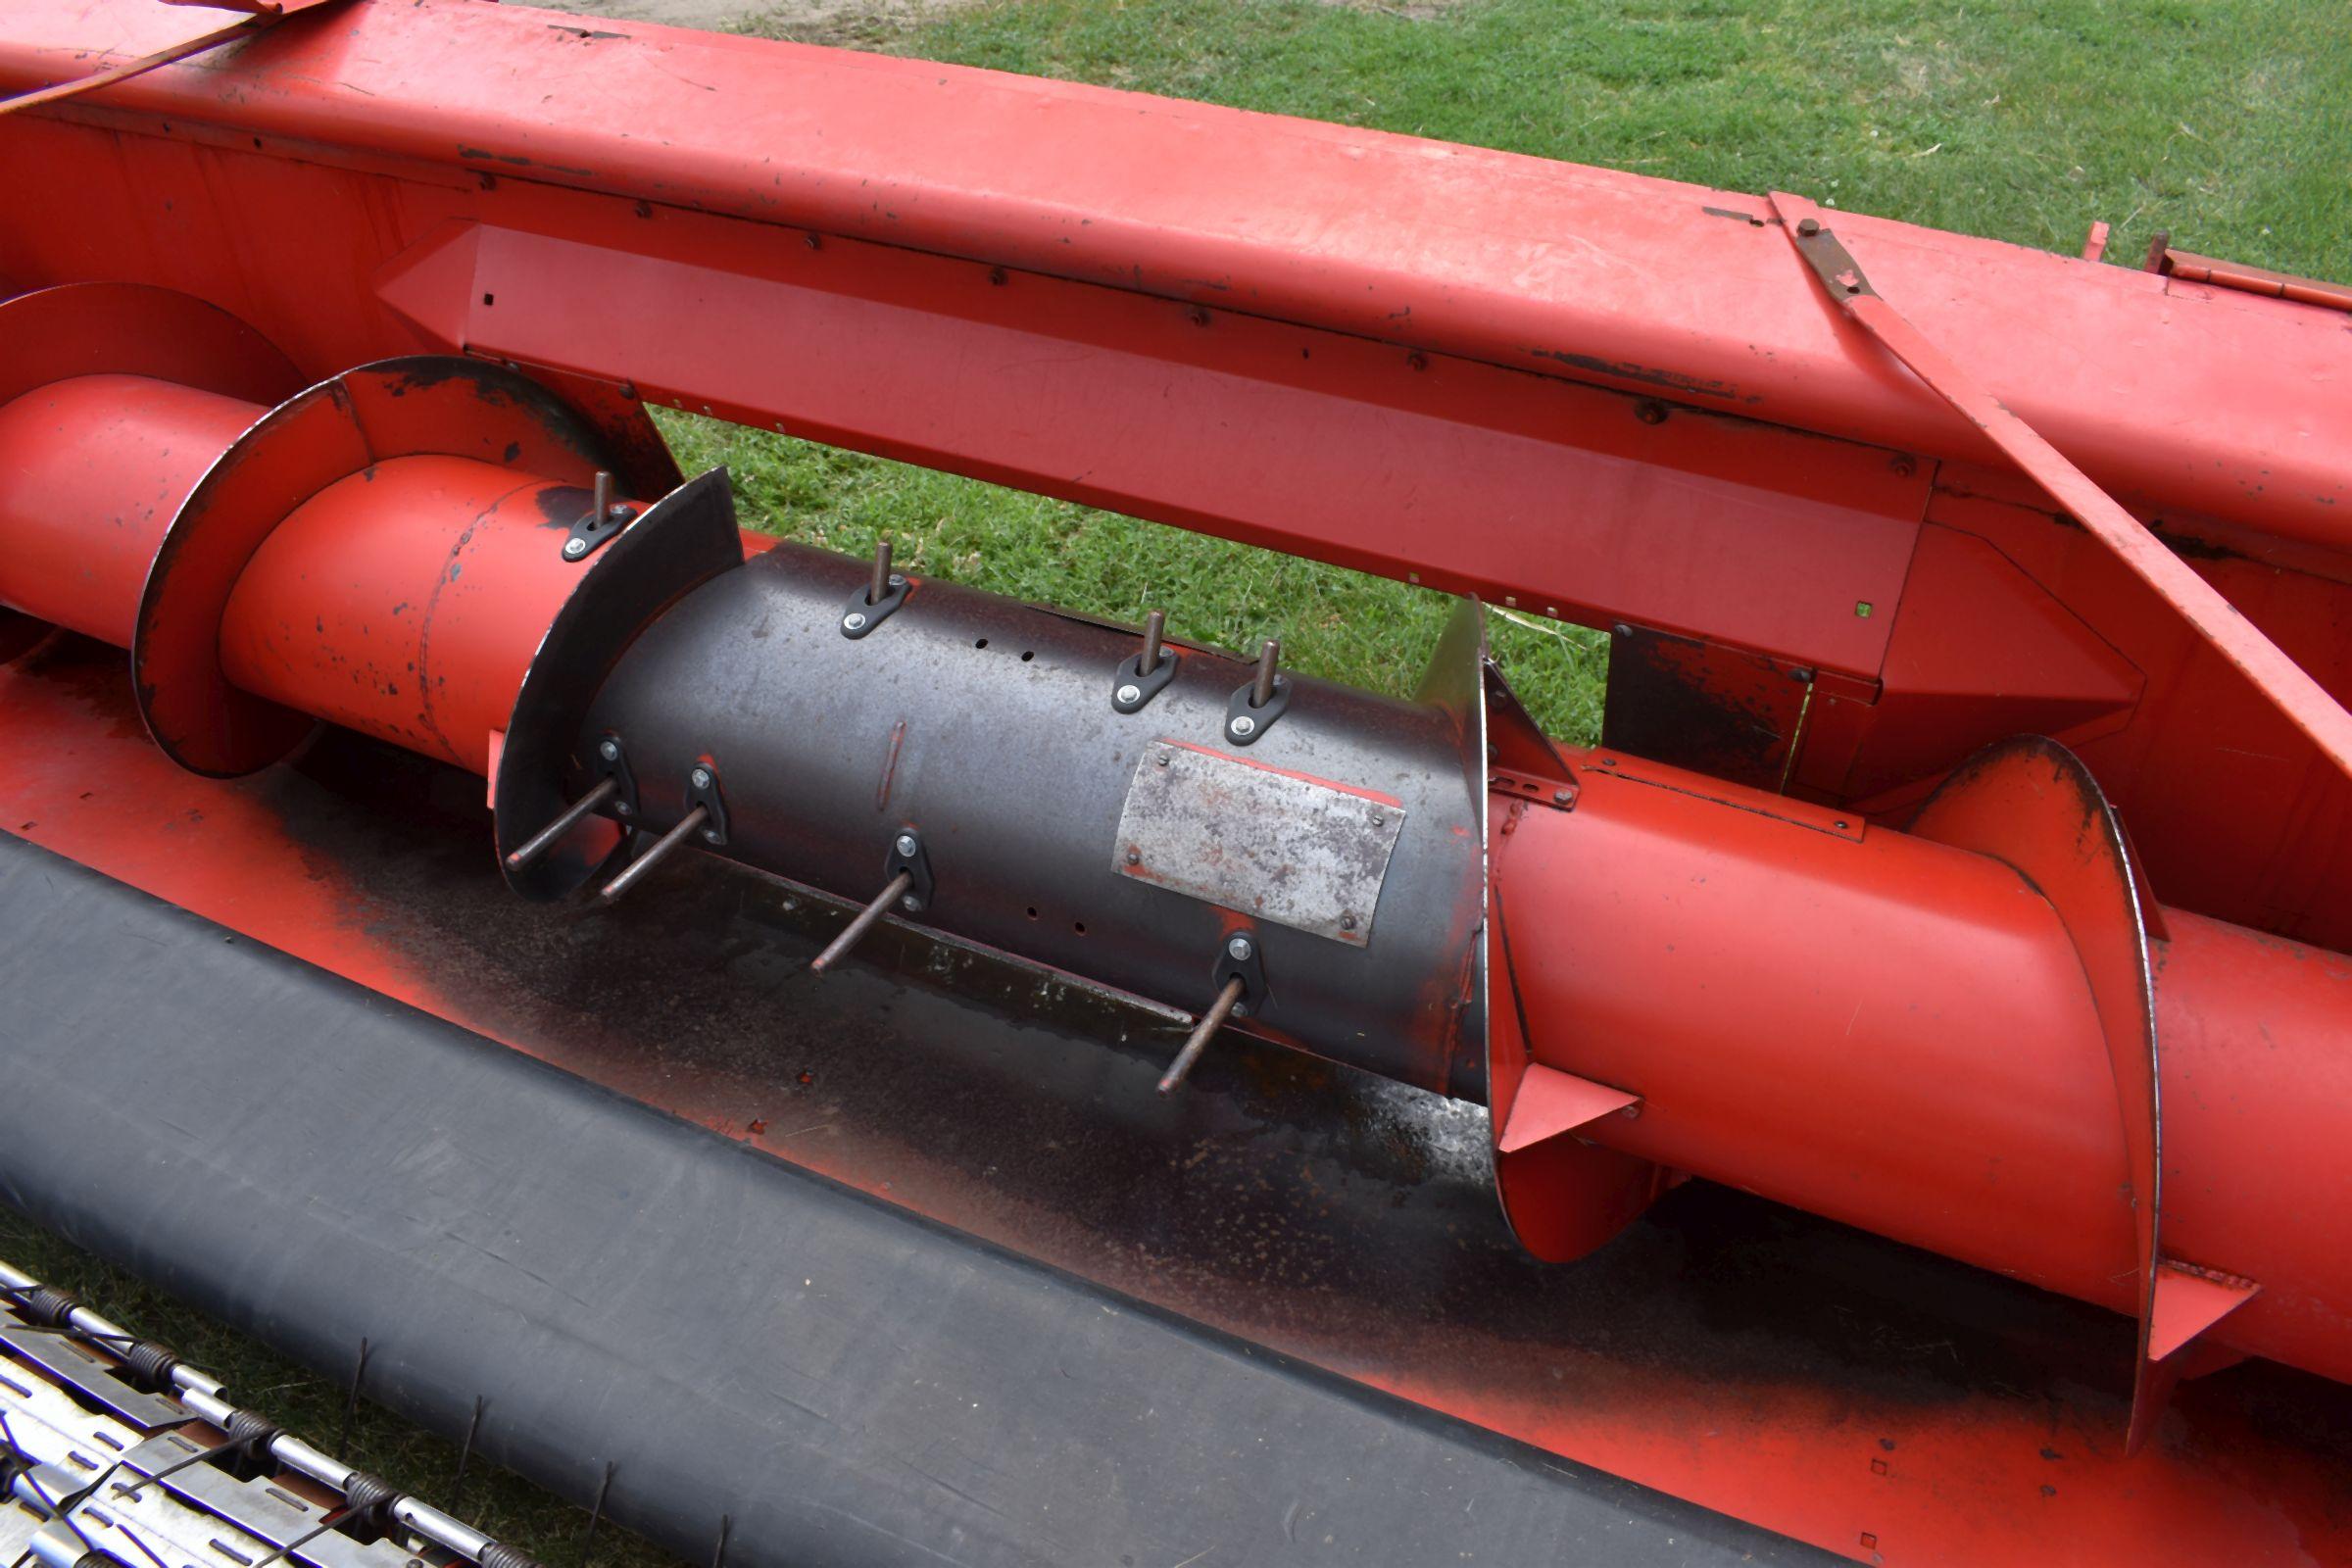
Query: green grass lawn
point(2230, 124)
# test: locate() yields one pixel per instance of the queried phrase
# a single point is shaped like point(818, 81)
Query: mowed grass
point(2230, 124)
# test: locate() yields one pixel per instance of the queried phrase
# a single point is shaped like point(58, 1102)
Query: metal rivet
point(1242, 726)
point(910, 903)
point(711, 834)
point(1346, 922)
point(625, 808)
point(1131, 694)
point(1162, 759)
point(1631, 1112)
point(1840, 824)
point(1562, 797)
point(906, 844)
point(897, 581)
point(1238, 949)
point(1135, 857)
point(575, 548)
point(701, 777)
point(1377, 820)
point(853, 621)
point(610, 751)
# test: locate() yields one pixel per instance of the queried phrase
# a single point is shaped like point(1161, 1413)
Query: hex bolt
point(701, 777)
point(1131, 694)
point(1808, 227)
point(1238, 948)
point(908, 845)
point(1242, 726)
point(853, 621)
point(610, 751)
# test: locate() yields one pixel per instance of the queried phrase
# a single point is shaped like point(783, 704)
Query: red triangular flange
point(2189, 1301)
point(1550, 1103)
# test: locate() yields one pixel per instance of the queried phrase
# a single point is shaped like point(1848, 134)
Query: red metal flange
point(442, 405)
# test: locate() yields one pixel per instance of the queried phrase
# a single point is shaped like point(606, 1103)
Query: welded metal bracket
point(613, 763)
point(908, 855)
point(862, 614)
point(1242, 956)
point(1133, 686)
point(702, 789)
point(1246, 722)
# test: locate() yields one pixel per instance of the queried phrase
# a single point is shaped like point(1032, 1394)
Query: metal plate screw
point(906, 844)
point(575, 548)
point(853, 621)
point(1238, 949)
point(610, 751)
point(1242, 726)
point(1346, 922)
point(1128, 694)
point(701, 777)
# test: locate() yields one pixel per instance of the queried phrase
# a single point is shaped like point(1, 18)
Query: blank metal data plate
point(1276, 846)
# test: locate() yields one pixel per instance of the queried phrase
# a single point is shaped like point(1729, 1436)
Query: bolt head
point(1131, 694)
point(1808, 227)
point(711, 834)
point(1242, 726)
point(908, 845)
point(625, 808)
point(1239, 948)
point(1379, 819)
point(855, 620)
point(701, 777)
point(610, 751)
point(896, 580)
point(1346, 922)
point(910, 903)
point(1162, 759)
point(575, 548)
point(1135, 857)
point(1241, 1010)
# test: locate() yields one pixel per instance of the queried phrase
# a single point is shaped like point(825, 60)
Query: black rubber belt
point(850, 1383)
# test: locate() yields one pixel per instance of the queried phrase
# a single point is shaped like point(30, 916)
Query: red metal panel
point(1514, 259)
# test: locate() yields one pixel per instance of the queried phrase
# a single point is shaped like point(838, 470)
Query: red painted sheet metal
point(1927, 1471)
point(1517, 261)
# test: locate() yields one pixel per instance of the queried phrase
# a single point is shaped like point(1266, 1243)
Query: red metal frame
point(1582, 393)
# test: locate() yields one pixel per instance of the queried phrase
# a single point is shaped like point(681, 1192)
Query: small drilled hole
point(982, 643)
point(1033, 911)
point(1078, 926)
point(489, 299)
point(1027, 654)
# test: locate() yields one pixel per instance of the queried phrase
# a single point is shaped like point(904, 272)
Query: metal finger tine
point(545, 839)
point(1211, 1022)
point(1267, 657)
point(1155, 628)
point(857, 929)
point(653, 857)
point(879, 589)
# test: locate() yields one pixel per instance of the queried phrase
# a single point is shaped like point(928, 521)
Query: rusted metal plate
point(1299, 852)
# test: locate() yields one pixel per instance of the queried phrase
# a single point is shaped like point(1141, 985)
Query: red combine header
point(1946, 938)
